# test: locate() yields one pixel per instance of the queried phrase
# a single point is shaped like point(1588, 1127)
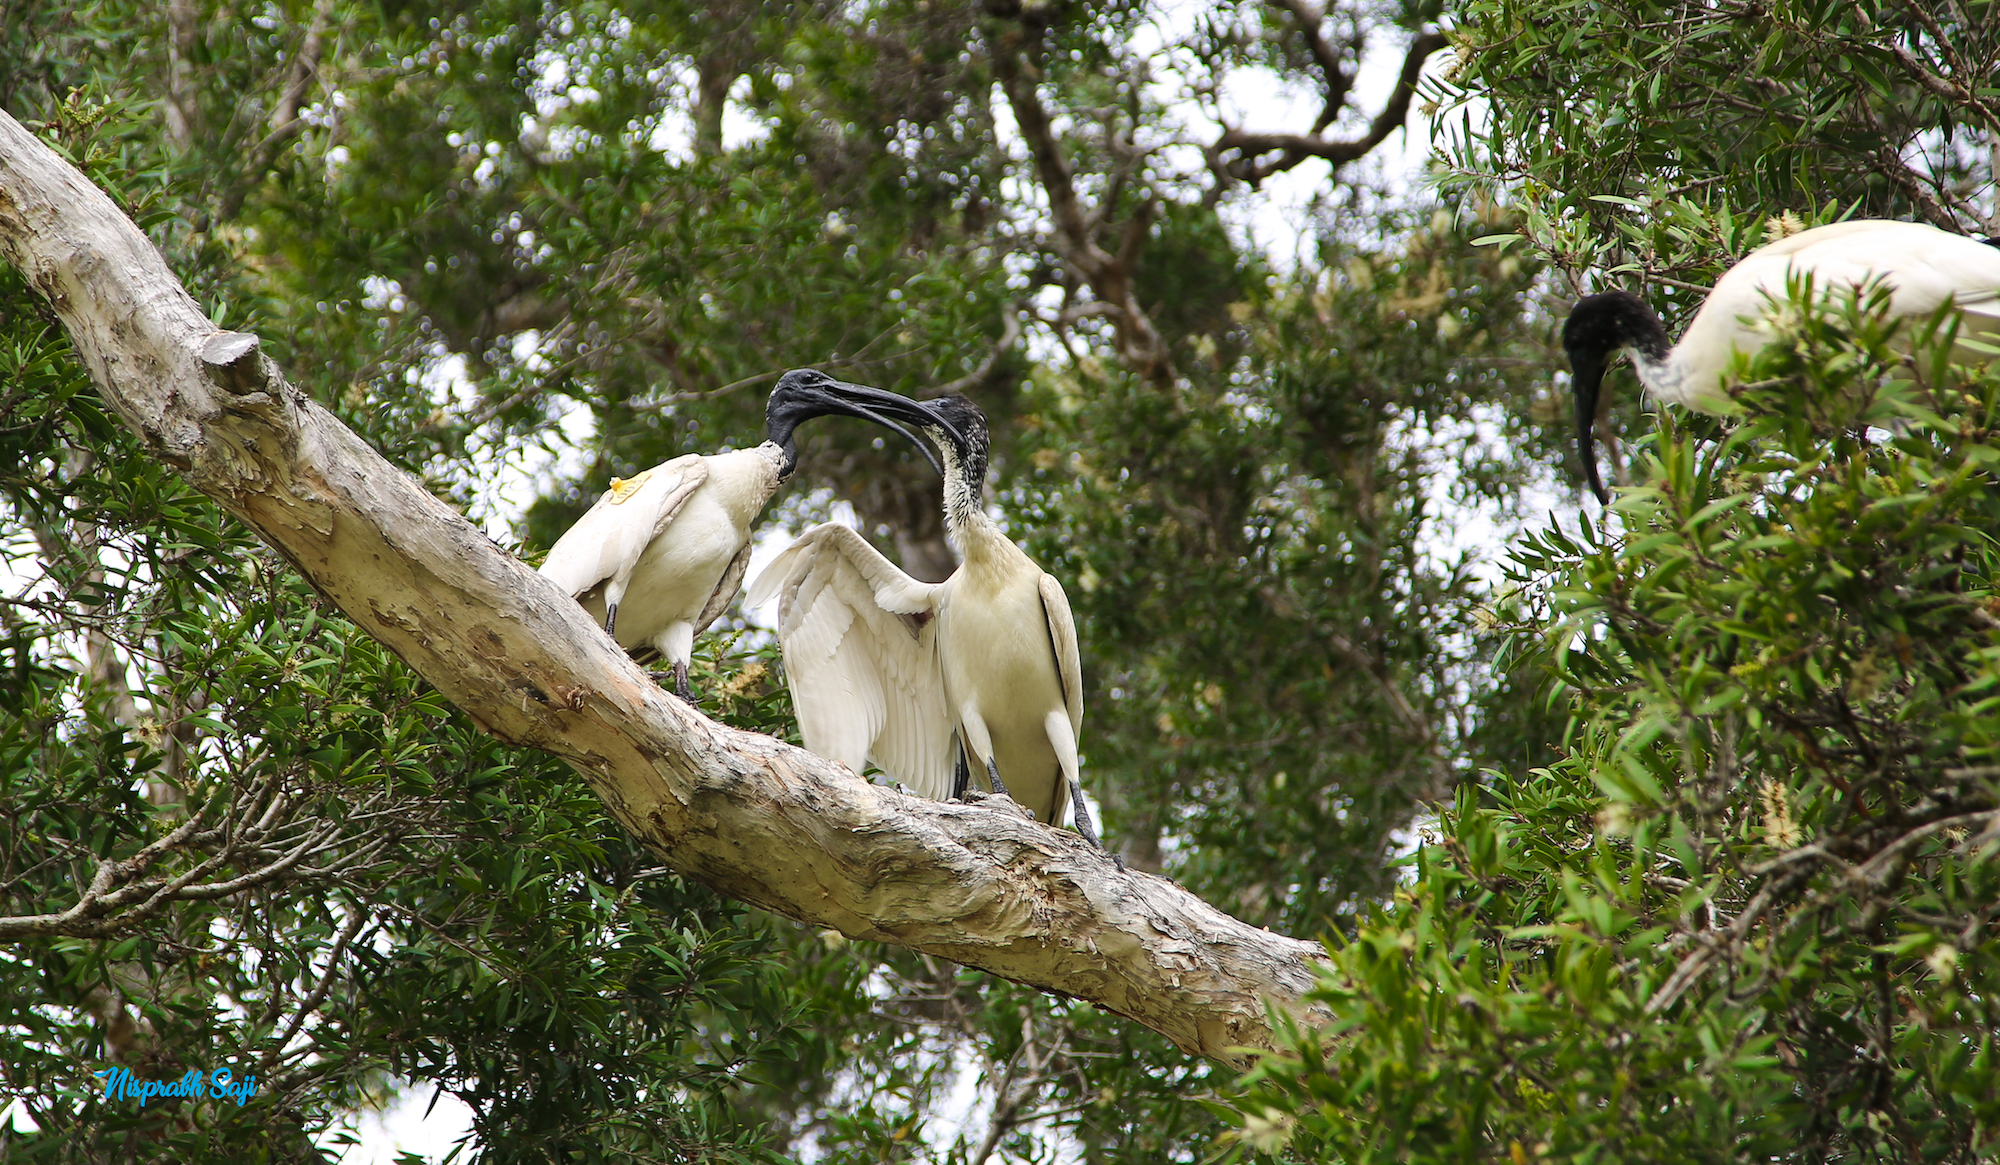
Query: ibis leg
point(1083, 823)
point(999, 786)
point(681, 687)
point(611, 620)
point(961, 776)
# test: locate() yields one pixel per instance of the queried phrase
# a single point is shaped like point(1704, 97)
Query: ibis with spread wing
point(923, 678)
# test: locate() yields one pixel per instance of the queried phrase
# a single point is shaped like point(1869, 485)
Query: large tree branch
point(745, 814)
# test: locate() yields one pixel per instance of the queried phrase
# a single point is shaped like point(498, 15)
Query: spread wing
point(858, 637)
point(1062, 636)
point(725, 589)
point(605, 544)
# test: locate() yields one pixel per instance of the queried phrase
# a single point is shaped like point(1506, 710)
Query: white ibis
point(660, 555)
point(1922, 267)
point(885, 668)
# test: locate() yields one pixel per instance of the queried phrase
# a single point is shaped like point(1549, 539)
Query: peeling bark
point(742, 813)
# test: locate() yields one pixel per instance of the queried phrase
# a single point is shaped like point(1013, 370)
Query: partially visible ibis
point(1921, 266)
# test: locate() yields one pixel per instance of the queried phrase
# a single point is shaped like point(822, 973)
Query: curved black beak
point(879, 406)
point(1586, 376)
point(794, 402)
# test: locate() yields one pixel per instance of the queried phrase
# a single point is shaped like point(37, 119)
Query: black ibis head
point(1598, 328)
point(951, 422)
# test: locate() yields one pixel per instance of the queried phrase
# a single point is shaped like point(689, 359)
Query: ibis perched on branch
point(1922, 267)
point(660, 555)
point(923, 677)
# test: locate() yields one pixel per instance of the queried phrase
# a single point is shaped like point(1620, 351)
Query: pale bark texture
point(742, 813)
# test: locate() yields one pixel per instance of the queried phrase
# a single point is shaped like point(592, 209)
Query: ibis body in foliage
point(660, 556)
point(1921, 266)
point(923, 678)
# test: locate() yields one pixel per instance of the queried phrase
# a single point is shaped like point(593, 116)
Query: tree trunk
point(743, 813)
point(716, 75)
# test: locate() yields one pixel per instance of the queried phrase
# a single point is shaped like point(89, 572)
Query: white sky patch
point(404, 1126)
point(1478, 530)
point(15, 1116)
point(24, 576)
point(443, 378)
point(740, 127)
point(505, 476)
point(559, 85)
point(1277, 218)
point(965, 1108)
point(527, 349)
point(673, 132)
point(22, 573)
point(380, 294)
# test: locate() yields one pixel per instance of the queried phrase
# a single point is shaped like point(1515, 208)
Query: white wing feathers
point(859, 642)
point(725, 590)
point(1062, 637)
point(1922, 266)
point(605, 544)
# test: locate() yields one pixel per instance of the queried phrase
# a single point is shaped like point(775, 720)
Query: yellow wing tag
point(622, 488)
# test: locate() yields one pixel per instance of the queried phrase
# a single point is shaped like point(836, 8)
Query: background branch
point(1234, 156)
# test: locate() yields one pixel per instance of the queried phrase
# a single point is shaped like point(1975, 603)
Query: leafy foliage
point(1747, 913)
point(393, 894)
point(1881, 107)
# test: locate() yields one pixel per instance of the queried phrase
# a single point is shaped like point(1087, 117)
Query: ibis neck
point(1645, 341)
point(784, 455)
point(763, 470)
point(1661, 376)
point(975, 533)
